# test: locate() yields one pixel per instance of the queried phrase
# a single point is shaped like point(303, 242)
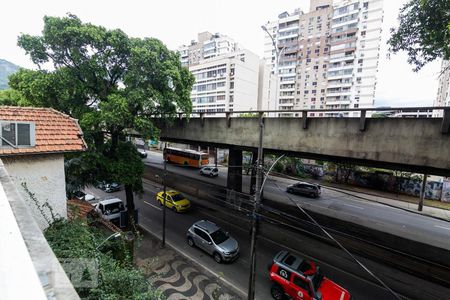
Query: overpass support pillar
point(234, 180)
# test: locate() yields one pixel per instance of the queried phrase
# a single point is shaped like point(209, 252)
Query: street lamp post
point(278, 56)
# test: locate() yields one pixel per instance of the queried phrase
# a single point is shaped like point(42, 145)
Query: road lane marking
point(443, 227)
point(154, 206)
point(356, 206)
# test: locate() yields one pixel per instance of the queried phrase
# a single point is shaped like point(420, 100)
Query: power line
point(338, 243)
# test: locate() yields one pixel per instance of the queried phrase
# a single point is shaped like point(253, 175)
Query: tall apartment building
point(227, 77)
point(329, 56)
point(225, 83)
point(206, 46)
point(355, 46)
point(443, 94)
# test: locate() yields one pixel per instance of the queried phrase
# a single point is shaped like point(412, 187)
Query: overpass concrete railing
point(410, 144)
point(305, 114)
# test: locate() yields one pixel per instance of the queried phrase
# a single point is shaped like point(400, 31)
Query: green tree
point(112, 83)
point(12, 97)
point(423, 32)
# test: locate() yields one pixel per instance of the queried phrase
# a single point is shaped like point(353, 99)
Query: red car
point(297, 278)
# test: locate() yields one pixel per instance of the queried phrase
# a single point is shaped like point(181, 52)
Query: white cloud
point(177, 22)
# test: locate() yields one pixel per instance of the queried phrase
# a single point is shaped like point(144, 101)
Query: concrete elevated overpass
point(410, 144)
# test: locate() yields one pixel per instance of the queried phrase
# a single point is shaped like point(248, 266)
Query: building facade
point(355, 46)
point(266, 87)
point(328, 56)
point(225, 83)
point(206, 46)
point(443, 94)
point(227, 77)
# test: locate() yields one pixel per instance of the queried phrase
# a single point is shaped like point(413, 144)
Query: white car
point(209, 171)
point(110, 209)
point(80, 195)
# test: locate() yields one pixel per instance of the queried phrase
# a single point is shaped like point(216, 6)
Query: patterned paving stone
point(175, 276)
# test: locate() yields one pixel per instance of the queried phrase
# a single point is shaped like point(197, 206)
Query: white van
point(110, 209)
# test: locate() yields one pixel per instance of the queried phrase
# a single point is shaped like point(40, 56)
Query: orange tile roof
point(55, 131)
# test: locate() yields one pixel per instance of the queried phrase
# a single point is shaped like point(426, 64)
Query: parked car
point(174, 200)
point(296, 278)
point(142, 153)
point(209, 171)
point(80, 195)
point(304, 188)
point(213, 240)
point(110, 209)
point(109, 187)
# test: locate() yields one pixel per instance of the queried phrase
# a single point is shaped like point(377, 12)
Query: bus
point(186, 157)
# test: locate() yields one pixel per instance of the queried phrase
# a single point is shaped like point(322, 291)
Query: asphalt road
point(339, 205)
point(334, 263)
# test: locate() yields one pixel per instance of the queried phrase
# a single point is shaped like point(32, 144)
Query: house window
point(17, 134)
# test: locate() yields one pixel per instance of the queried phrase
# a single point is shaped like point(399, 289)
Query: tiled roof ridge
point(36, 108)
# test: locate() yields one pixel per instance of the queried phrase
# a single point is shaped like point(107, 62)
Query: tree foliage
point(112, 83)
point(12, 98)
point(117, 279)
point(423, 32)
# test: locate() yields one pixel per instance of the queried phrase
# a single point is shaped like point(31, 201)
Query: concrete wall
point(45, 177)
point(410, 144)
point(29, 268)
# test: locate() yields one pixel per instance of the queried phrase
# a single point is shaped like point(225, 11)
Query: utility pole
point(255, 217)
point(422, 192)
point(163, 244)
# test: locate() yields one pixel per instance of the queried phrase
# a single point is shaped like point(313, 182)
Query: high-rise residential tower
point(227, 77)
point(328, 56)
point(206, 46)
point(355, 46)
point(443, 94)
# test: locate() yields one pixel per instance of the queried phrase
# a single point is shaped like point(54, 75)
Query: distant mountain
point(6, 69)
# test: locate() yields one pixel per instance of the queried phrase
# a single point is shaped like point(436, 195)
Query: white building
point(227, 77)
point(226, 83)
point(266, 87)
point(32, 149)
point(443, 94)
point(355, 46)
point(329, 56)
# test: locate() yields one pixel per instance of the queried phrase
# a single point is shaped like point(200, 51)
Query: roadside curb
point(212, 273)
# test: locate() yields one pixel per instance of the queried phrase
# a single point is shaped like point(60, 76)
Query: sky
point(177, 22)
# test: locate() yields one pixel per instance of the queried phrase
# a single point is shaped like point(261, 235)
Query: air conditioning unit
point(15, 134)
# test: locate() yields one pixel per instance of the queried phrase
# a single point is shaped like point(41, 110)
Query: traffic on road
point(334, 265)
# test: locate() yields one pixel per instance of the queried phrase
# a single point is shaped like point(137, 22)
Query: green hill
point(6, 69)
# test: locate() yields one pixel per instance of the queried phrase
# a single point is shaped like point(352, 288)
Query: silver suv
point(304, 188)
point(211, 238)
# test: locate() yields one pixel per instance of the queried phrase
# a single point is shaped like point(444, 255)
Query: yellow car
point(174, 200)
